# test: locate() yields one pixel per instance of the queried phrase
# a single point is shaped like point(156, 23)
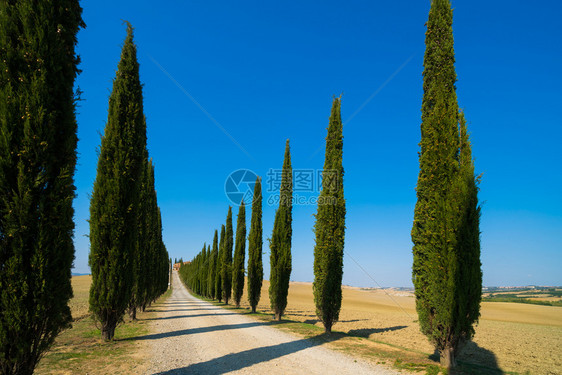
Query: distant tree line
point(216, 274)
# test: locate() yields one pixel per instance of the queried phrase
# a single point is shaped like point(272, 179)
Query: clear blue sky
point(268, 72)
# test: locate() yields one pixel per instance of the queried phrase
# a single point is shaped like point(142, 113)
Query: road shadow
point(247, 358)
point(366, 332)
point(190, 331)
point(187, 316)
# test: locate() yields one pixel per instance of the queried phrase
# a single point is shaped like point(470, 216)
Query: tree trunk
point(107, 332)
point(237, 305)
point(278, 316)
point(253, 309)
point(133, 313)
point(448, 357)
point(327, 328)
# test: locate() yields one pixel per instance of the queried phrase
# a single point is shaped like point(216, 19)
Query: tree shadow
point(366, 332)
point(247, 358)
point(176, 310)
point(473, 360)
point(187, 316)
point(190, 331)
point(314, 321)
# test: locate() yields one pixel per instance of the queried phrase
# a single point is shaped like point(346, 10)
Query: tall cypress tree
point(227, 258)
point(330, 227)
point(220, 260)
point(115, 198)
point(38, 139)
point(280, 243)
point(255, 242)
point(445, 233)
point(213, 267)
point(239, 256)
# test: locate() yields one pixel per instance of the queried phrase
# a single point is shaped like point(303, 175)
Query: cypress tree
point(445, 233)
point(239, 256)
point(38, 139)
point(115, 197)
point(220, 260)
point(255, 242)
point(280, 243)
point(206, 292)
point(140, 266)
point(227, 258)
point(153, 238)
point(201, 272)
point(330, 227)
point(213, 266)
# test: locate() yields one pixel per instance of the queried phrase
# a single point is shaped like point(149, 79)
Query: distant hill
point(80, 274)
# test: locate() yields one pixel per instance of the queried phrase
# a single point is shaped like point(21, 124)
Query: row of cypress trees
point(128, 259)
point(212, 273)
point(217, 274)
point(446, 271)
point(37, 161)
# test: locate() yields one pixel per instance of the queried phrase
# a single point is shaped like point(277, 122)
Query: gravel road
point(191, 336)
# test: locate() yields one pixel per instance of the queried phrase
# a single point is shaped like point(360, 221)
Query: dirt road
point(191, 336)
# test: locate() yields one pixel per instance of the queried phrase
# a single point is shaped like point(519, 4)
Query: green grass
point(81, 349)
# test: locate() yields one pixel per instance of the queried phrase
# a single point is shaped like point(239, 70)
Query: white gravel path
point(191, 336)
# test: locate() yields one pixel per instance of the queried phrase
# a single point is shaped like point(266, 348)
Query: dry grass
point(512, 337)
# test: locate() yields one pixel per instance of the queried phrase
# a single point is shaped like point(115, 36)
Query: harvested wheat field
point(510, 336)
point(79, 303)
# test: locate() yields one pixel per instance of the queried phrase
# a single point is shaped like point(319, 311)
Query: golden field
point(512, 337)
point(79, 303)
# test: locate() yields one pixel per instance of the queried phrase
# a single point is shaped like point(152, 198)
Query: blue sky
point(265, 72)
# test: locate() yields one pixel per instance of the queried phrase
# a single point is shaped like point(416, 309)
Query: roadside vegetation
point(80, 349)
